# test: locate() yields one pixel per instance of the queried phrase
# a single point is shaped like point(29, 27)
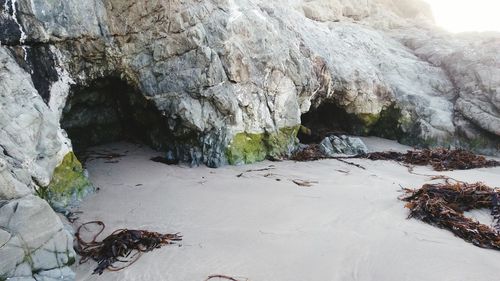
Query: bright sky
point(467, 15)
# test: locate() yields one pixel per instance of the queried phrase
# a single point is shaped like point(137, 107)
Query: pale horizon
point(466, 15)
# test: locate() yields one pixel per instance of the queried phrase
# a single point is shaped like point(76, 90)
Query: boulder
point(332, 146)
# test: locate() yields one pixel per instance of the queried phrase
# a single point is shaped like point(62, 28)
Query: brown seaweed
point(440, 159)
point(122, 246)
point(270, 167)
point(313, 153)
point(107, 155)
point(309, 153)
point(165, 160)
point(443, 205)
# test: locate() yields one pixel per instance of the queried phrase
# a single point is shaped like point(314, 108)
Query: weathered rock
point(12, 256)
point(333, 146)
point(57, 274)
point(32, 237)
point(472, 62)
point(179, 55)
point(11, 187)
point(226, 81)
point(28, 128)
point(4, 237)
point(37, 239)
point(22, 279)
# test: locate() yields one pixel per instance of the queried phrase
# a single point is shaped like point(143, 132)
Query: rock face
point(220, 81)
point(35, 241)
point(32, 237)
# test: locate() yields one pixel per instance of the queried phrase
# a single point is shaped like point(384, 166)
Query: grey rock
point(4, 237)
point(271, 59)
point(28, 128)
point(214, 69)
point(472, 63)
point(343, 145)
point(55, 252)
point(11, 187)
point(57, 274)
point(23, 270)
point(11, 255)
point(26, 218)
point(36, 235)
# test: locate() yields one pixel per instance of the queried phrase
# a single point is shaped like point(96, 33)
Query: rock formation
point(216, 82)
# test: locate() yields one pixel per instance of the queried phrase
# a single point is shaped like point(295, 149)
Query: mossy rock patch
point(246, 148)
point(68, 185)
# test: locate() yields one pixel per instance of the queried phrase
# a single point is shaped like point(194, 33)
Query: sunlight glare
point(466, 15)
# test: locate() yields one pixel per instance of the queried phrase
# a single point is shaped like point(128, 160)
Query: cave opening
point(111, 110)
point(330, 119)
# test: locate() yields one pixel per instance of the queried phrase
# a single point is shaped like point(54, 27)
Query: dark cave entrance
point(110, 110)
point(330, 119)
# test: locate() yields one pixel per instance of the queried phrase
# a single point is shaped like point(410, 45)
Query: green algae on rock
point(248, 148)
point(68, 185)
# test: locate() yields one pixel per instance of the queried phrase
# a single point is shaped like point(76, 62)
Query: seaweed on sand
point(443, 205)
point(122, 246)
point(440, 159)
point(312, 153)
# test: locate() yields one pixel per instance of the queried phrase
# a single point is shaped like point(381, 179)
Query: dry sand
point(263, 227)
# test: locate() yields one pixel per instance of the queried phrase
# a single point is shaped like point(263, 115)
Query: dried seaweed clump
point(440, 159)
point(442, 205)
point(123, 246)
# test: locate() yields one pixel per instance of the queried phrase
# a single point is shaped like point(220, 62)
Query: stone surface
point(4, 237)
point(229, 79)
point(334, 145)
point(220, 68)
point(38, 240)
point(12, 256)
point(57, 274)
point(28, 128)
point(472, 63)
point(11, 187)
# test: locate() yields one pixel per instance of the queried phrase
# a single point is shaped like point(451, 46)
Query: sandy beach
point(261, 226)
